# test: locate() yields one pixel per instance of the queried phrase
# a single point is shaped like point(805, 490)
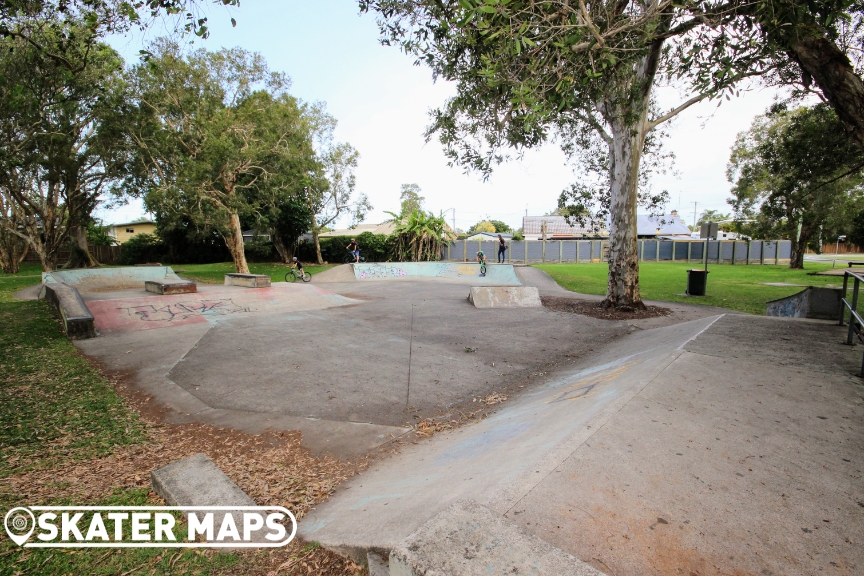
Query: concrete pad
point(688, 449)
point(78, 322)
point(497, 461)
point(29, 293)
point(504, 297)
point(170, 287)
point(813, 302)
point(341, 273)
point(469, 540)
point(248, 280)
point(101, 279)
point(197, 481)
point(465, 272)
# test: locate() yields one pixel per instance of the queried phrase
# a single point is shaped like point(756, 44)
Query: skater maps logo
point(150, 526)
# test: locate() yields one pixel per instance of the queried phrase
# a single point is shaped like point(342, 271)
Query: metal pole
point(843, 297)
point(673, 250)
point(851, 332)
point(657, 252)
point(689, 251)
point(561, 251)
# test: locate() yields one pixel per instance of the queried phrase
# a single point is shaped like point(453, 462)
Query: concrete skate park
point(700, 442)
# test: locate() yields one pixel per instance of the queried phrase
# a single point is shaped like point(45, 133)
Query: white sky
point(381, 101)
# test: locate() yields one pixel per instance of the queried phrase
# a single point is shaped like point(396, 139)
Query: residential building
point(124, 231)
point(484, 236)
point(670, 226)
point(385, 228)
point(557, 228)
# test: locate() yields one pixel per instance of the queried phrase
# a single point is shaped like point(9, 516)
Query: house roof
point(135, 222)
point(385, 228)
point(490, 234)
point(665, 225)
point(555, 226)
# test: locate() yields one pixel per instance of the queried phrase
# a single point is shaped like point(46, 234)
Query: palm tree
point(419, 236)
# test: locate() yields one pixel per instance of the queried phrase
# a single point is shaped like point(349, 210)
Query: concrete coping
point(247, 280)
point(197, 481)
point(77, 320)
point(467, 539)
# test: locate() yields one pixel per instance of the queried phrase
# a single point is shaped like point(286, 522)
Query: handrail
point(854, 317)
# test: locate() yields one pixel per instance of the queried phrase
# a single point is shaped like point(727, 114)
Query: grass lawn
point(215, 273)
point(737, 287)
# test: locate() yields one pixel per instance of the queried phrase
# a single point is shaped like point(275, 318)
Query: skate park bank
point(699, 441)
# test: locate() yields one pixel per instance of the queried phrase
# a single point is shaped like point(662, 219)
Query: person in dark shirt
point(295, 263)
point(502, 247)
point(354, 249)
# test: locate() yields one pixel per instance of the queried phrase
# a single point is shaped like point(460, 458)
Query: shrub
point(141, 249)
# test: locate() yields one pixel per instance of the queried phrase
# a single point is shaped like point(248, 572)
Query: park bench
point(170, 286)
point(855, 263)
point(248, 280)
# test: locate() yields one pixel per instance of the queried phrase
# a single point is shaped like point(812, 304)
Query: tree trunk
point(80, 256)
point(285, 253)
point(622, 291)
point(234, 242)
point(822, 59)
point(796, 259)
point(317, 245)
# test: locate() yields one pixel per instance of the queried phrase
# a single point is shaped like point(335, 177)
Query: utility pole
point(694, 214)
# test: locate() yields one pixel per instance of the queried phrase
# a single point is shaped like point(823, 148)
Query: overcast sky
point(381, 100)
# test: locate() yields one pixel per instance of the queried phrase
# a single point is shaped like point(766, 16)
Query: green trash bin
point(697, 280)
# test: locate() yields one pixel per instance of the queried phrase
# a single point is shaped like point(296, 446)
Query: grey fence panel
point(553, 251)
point(571, 251)
point(517, 251)
point(666, 250)
point(770, 248)
point(490, 249)
point(697, 250)
point(535, 251)
point(584, 251)
point(727, 251)
point(785, 249)
point(649, 251)
point(756, 251)
point(681, 250)
point(740, 251)
point(598, 250)
point(713, 250)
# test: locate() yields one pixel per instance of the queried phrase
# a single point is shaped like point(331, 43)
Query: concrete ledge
point(468, 539)
point(197, 481)
point(76, 317)
point(248, 280)
point(170, 286)
point(505, 297)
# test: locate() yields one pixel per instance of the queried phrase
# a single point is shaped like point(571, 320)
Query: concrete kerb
point(197, 481)
point(101, 279)
point(77, 320)
point(164, 287)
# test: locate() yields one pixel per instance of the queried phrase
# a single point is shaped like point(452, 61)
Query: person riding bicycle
point(481, 258)
point(295, 263)
point(354, 249)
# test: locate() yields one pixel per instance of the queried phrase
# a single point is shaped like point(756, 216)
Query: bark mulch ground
point(596, 310)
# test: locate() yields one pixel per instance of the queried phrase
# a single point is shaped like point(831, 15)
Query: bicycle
point(294, 275)
point(483, 268)
point(350, 259)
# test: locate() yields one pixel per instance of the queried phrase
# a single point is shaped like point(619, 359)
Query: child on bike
point(354, 249)
point(481, 258)
point(296, 264)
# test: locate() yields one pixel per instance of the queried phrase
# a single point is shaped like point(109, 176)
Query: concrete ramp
point(499, 460)
point(813, 302)
point(505, 297)
point(465, 272)
point(102, 279)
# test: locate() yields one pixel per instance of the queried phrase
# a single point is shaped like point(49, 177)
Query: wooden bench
point(248, 280)
point(170, 286)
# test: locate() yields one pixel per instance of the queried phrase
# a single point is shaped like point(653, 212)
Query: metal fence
point(576, 251)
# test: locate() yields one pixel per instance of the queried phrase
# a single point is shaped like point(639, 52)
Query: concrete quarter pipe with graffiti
point(496, 274)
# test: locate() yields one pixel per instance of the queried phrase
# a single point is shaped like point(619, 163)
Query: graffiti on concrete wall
point(371, 271)
point(184, 310)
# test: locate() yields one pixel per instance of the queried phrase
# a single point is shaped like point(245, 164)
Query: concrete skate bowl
point(103, 279)
point(464, 272)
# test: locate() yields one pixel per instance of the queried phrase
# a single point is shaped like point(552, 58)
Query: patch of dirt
point(596, 310)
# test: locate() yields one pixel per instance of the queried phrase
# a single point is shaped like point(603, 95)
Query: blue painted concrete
point(496, 274)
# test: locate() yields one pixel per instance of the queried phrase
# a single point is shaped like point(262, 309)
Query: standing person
point(502, 247)
point(354, 249)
